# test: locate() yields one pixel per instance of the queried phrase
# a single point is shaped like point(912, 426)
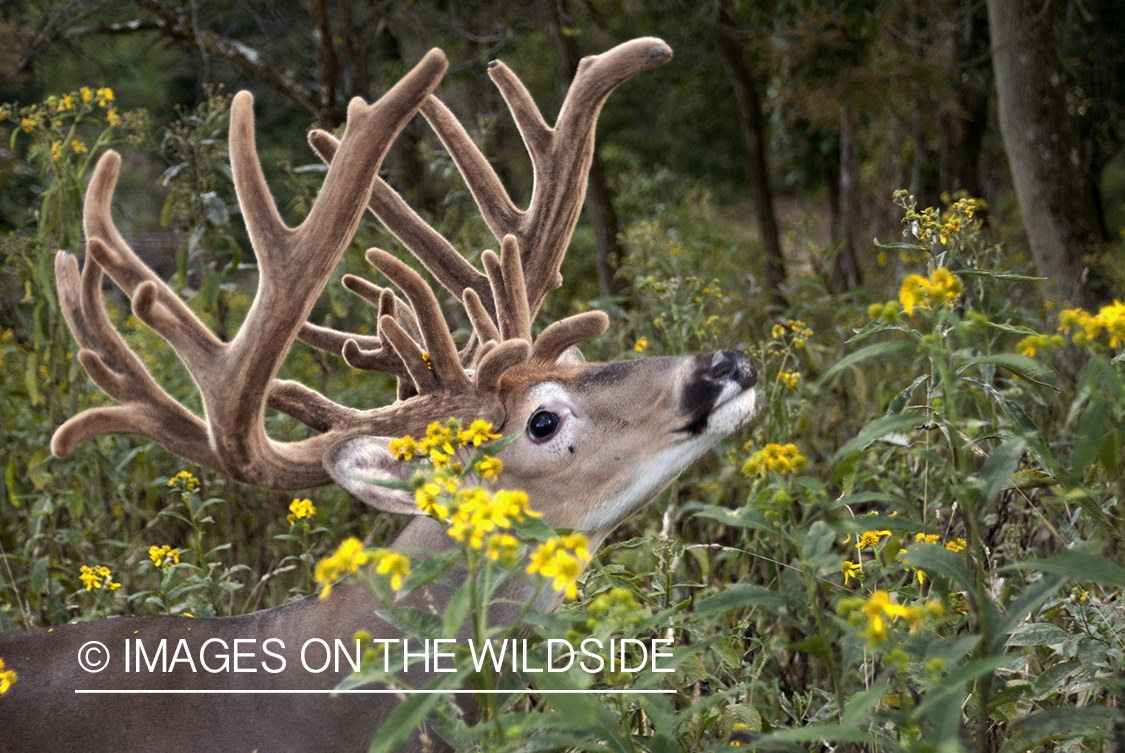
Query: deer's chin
point(731, 413)
point(655, 473)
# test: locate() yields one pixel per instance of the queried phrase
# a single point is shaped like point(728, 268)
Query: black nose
point(735, 366)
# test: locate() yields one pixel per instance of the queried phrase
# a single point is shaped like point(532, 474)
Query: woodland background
point(733, 203)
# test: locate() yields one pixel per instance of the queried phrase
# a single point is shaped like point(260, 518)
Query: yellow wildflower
point(775, 457)
point(349, 557)
point(426, 498)
point(56, 151)
point(502, 546)
point(77, 146)
point(164, 556)
point(97, 577)
point(67, 102)
point(870, 538)
point(394, 564)
point(300, 509)
point(641, 345)
point(86, 93)
point(7, 677)
point(112, 117)
point(105, 96)
point(488, 467)
point(1112, 319)
point(926, 538)
point(478, 433)
point(957, 545)
point(186, 479)
point(850, 570)
point(556, 558)
point(913, 292)
point(789, 379)
point(28, 124)
point(404, 448)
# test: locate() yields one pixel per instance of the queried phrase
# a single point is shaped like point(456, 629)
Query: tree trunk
point(963, 123)
point(754, 151)
point(599, 199)
point(846, 272)
point(1054, 195)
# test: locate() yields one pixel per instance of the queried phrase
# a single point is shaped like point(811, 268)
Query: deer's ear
point(356, 463)
point(572, 356)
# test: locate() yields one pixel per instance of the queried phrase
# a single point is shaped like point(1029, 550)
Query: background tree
point(1056, 202)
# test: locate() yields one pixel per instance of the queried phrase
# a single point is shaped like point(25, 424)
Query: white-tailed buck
point(601, 440)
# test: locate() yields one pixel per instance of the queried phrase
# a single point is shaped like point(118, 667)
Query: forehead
point(609, 382)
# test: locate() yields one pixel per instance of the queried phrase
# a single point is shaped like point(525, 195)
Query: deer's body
point(598, 441)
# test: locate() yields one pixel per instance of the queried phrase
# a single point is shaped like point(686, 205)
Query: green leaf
point(1081, 565)
point(997, 275)
point(415, 622)
point(1024, 367)
point(1012, 329)
point(939, 560)
point(409, 714)
point(863, 354)
point(998, 470)
point(877, 429)
point(744, 517)
point(903, 397)
point(740, 596)
point(456, 610)
point(1036, 634)
point(1035, 730)
point(880, 326)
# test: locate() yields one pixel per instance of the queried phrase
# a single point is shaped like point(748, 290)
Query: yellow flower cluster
point(442, 442)
point(300, 509)
point(942, 288)
point(185, 480)
point(98, 577)
point(1032, 344)
point(164, 556)
point(789, 379)
point(799, 331)
point(477, 513)
point(7, 677)
point(561, 558)
point(394, 564)
point(850, 570)
point(350, 556)
point(870, 539)
point(775, 457)
point(879, 612)
point(1087, 327)
point(641, 345)
point(931, 226)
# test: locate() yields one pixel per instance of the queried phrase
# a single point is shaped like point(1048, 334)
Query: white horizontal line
point(383, 691)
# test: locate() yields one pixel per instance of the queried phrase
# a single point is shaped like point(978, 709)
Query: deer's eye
point(542, 424)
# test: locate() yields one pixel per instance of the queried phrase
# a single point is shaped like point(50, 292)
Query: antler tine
point(436, 254)
point(114, 368)
point(443, 363)
point(234, 378)
point(561, 157)
point(505, 274)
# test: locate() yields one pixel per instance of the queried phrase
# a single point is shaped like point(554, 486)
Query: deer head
point(600, 439)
